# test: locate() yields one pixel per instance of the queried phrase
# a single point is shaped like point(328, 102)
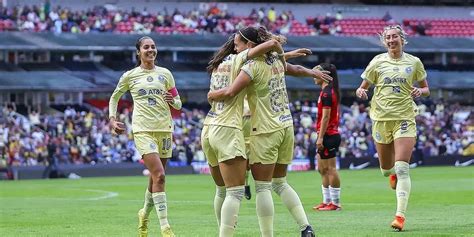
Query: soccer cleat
point(167, 232)
point(398, 223)
point(142, 224)
point(393, 181)
point(308, 232)
point(248, 194)
point(331, 207)
point(319, 206)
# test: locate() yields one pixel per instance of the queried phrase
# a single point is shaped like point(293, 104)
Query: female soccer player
point(222, 137)
point(153, 91)
point(272, 138)
point(328, 139)
point(393, 111)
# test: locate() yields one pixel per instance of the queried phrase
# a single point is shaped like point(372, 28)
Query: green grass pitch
point(441, 204)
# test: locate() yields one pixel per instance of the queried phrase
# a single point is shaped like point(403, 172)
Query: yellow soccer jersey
point(268, 99)
point(393, 80)
point(229, 112)
point(151, 113)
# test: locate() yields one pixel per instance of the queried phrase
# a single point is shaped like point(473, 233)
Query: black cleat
point(308, 232)
point(248, 194)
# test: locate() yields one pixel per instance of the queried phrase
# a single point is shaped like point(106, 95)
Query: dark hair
point(138, 45)
point(260, 35)
point(335, 80)
point(225, 50)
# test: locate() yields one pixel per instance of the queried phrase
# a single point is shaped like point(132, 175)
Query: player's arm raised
point(300, 71)
point(242, 81)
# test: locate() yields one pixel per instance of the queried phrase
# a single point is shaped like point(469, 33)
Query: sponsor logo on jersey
point(141, 92)
point(284, 118)
point(149, 79)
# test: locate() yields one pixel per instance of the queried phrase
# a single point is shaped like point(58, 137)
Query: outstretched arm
point(302, 52)
point(300, 71)
point(242, 80)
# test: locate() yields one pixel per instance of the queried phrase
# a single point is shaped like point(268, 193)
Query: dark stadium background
point(57, 72)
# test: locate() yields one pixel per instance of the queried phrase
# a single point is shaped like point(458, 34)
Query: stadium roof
point(211, 42)
point(106, 81)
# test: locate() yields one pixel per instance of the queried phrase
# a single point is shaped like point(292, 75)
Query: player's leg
point(262, 174)
point(332, 144)
point(230, 149)
point(233, 174)
point(144, 213)
point(405, 139)
point(382, 131)
point(248, 193)
point(219, 197)
point(280, 185)
point(213, 163)
point(157, 173)
point(323, 171)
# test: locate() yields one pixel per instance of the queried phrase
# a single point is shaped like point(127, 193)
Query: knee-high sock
point(230, 210)
point(291, 200)
point(161, 207)
point(403, 186)
point(265, 209)
point(218, 201)
point(326, 194)
point(335, 195)
point(148, 204)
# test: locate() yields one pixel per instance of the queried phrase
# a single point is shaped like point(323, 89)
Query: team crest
point(142, 92)
point(403, 125)
point(152, 146)
point(161, 78)
point(408, 70)
point(377, 136)
point(149, 79)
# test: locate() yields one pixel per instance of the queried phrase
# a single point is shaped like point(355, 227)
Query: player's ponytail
point(226, 49)
point(137, 46)
point(335, 80)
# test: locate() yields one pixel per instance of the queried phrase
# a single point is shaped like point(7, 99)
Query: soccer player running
point(328, 139)
point(393, 111)
point(153, 92)
point(222, 136)
point(272, 136)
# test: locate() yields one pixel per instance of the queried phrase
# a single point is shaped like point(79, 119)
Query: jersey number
point(166, 144)
point(278, 95)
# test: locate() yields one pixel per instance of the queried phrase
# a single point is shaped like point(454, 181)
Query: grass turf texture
point(441, 204)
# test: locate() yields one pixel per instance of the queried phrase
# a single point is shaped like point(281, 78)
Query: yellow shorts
point(246, 126)
point(271, 148)
point(221, 143)
point(154, 142)
point(385, 132)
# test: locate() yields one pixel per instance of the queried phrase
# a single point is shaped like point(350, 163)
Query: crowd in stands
point(209, 18)
point(80, 137)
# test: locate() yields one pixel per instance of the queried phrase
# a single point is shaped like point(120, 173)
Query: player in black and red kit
point(328, 139)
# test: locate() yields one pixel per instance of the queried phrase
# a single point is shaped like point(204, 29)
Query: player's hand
point(302, 52)
point(416, 92)
point(323, 75)
point(362, 93)
point(319, 144)
point(168, 98)
point(117, 127)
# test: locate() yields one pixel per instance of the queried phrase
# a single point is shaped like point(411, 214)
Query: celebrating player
point(153, 91)
point(222, 136)
point(328, 139)
point(272, 137)
point(393, 111)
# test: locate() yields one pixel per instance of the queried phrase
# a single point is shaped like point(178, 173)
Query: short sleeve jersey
point(267, 95)
point(328, 99)
point(228, 112)
point(151, 112)
point(393, 80)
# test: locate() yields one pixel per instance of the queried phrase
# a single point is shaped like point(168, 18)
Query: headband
point(240, 32)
